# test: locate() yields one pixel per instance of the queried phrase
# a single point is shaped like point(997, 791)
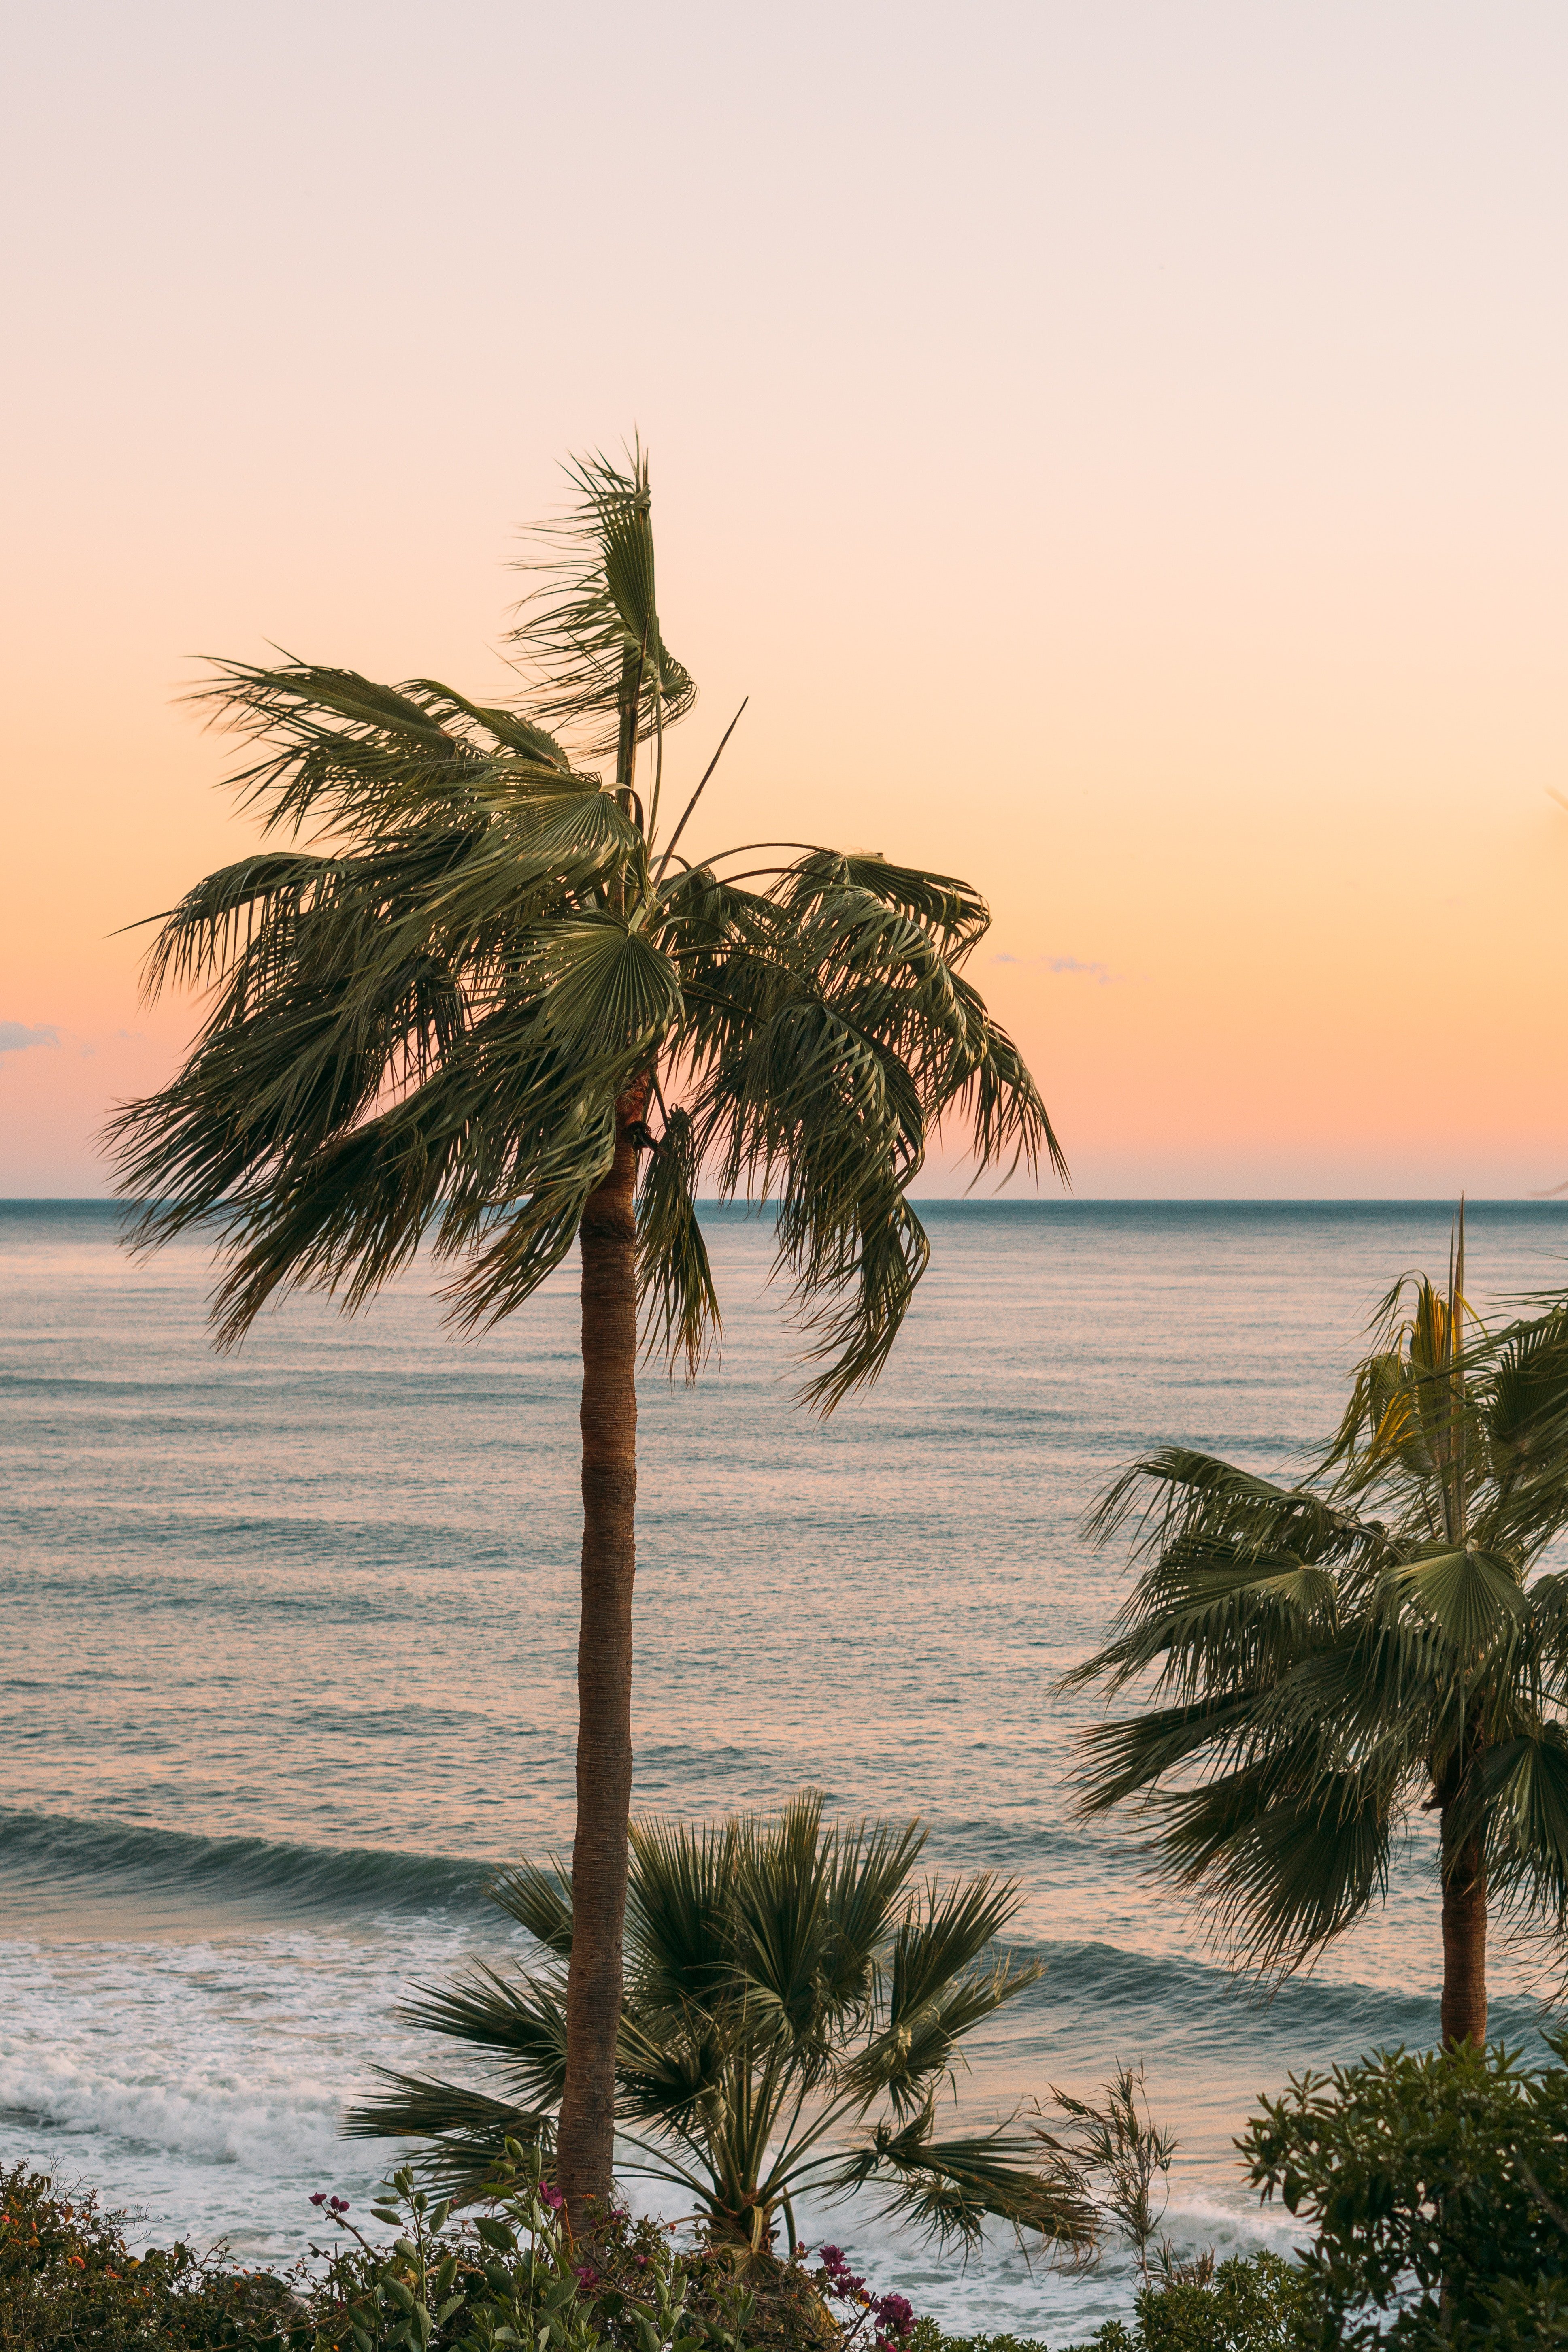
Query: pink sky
point(1118, 450)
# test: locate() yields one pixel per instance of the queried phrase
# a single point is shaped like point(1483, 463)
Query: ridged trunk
point(1464, 1943)
point(607, 1239)
point(1464, 1865)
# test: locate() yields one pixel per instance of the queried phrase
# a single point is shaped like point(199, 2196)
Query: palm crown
point(425, 1025)
point(1328, 1657)
point(797, 1999)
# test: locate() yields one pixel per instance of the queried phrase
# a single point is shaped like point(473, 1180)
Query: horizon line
point(1054, 1202)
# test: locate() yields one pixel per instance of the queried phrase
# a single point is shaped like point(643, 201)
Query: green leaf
point(591, 637)
point(680, 1305)
point(609, 993)
point(1473, 1597)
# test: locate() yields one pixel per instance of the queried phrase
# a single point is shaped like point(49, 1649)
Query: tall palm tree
point(795, 2000)
point(1327, 1657)
point(473, 982)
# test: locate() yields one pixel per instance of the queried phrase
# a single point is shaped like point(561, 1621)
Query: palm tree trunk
point(1465, 1946)
point(607, 1238)
point(1463, 1864)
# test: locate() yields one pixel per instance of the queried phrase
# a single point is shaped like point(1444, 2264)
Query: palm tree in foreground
point(795, 2000)
point(1327, 1658)
point(472, 983)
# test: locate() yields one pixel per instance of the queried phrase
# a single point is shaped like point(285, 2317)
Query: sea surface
point(286, 1643)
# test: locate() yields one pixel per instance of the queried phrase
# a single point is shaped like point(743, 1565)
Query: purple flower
point(895, 2315)
point(841, 2281)
point(553, 2198)
point(340, 2204)
point(319, 2197)
point(587, 2277)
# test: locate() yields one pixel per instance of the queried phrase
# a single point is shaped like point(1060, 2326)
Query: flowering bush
point(68, 2280)
point(890, 2317)
point(410, 2275)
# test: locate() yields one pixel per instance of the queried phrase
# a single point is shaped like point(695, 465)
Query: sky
point(1119, 451)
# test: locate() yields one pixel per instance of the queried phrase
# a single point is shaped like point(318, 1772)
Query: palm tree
point(794, 2002)
point(473, 982)
point(1327, 1657)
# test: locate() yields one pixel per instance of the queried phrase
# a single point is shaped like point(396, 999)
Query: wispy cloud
point(1100, 973)
point(15, 1035)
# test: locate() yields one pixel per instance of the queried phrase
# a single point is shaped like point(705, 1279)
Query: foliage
point(512, 2273)
point(462, 949)
point(1322, 1659)
point(1437, 2186)
point(508, 2274)
point(795, 2001)
point(1251, 2306)
point(68, 2280)
point(1256, 2304)
point(1122, 2150)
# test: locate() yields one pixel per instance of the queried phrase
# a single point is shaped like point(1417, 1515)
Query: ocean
point(289, 1645)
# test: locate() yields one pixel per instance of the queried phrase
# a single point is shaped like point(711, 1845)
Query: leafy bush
point(1437, 2183)
point(68, 2280)
point(510, 2275)
point(1256, 2306)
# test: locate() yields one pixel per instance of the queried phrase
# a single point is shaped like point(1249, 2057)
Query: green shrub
point(506, 2275)
point(1437, 2186)
point(1256, 2306)
point(1253, 2305)
point(68, 2280)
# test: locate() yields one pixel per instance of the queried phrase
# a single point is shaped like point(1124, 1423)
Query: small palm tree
point(794, 2002)
point(1118, 2147)
point(1327, 1657)
point(486, 984)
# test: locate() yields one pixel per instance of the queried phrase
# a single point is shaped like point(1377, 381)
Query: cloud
point(15, 1035)
point(1100, 973)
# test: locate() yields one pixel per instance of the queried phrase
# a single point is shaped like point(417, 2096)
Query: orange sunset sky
point(1122, 450)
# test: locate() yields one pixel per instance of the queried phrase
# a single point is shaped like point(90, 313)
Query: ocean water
point(288, 1654)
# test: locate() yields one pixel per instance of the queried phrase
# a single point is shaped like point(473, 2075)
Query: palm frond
point(869, 1865)
point(952, 2187)
point(539, 1898)
point(1472, 1596)
point(920, 2049)
point(465, 2131)
point(1178, 1493)
point(589, 637)
point(1212, 1616)
point(682, 1932)
point(1283, 1863)
point(680, 1305)
point(519, 2020)
point(1129, 1757)
point(1523, 1801)
point(608, 991)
